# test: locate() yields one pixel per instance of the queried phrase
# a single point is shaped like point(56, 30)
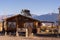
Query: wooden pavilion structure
point(18, 22)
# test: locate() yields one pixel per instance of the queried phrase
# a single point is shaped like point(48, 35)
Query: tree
point(26, 12)
point(59, 17)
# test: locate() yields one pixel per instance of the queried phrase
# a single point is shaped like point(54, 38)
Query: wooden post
point(38, 30)
point(17, 27)
point(29, 31)
point(5, 27)
point(58, 28)
point(5, 33)
point(26, 32)
point(36, 24)
point(52, 29)
point(17, 32)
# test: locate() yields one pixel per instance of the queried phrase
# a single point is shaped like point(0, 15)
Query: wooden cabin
point(18, 22)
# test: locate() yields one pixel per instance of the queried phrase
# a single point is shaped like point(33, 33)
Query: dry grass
point(27, 38)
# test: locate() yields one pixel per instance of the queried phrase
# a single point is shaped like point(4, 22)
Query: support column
point(38, 30)
point(27, 32)
point(5, 27)
point(37, 26)
point(52, 29)
point(30, 31)
point(17, 34)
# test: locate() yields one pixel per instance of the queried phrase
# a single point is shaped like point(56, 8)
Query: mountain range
point(47, 17)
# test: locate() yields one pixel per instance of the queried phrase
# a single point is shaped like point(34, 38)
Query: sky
point(37, 7)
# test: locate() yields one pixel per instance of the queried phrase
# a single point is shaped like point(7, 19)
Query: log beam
point(17, 27)
point(5, 26)
point(26, 32)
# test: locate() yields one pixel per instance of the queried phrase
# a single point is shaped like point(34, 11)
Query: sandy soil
point(27, 38)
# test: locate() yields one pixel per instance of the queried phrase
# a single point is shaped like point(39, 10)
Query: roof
point(28, 18)
point(22, 16)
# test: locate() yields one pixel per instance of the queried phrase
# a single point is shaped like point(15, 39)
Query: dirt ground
point(27, 38)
